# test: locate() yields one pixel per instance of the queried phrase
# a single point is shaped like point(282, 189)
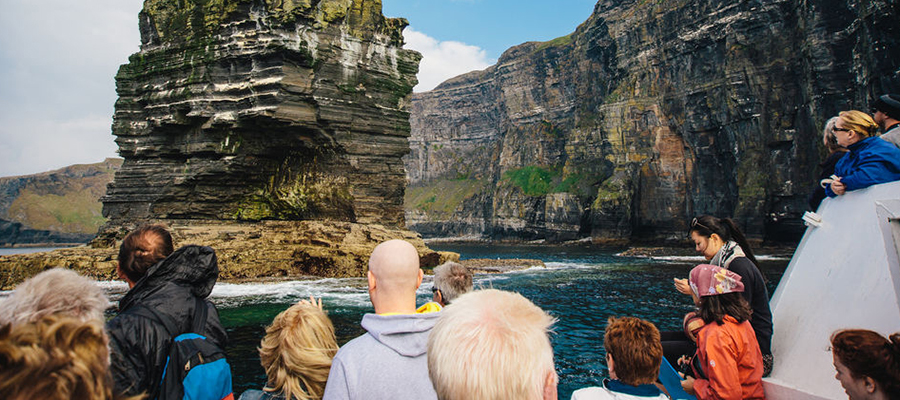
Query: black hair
point(706, 225)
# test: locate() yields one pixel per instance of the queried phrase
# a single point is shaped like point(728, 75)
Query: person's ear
point(438, 297)
point(550, 382)
point(370, 277)
point(717, 238)
point(419, 281)
point(871, 385)
point(611, 366)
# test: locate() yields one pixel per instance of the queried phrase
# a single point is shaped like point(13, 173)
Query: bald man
point(389, 361)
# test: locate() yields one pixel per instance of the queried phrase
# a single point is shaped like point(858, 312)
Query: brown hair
point(868, 354)
point(726, 228)
point(635, 347)
point(55, 358)
point(715, 308)
point(142, 248)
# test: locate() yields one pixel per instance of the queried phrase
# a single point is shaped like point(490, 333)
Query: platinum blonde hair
point(55, 291)
point(452, 279)
point(490, 344)
point(297, 351)
point(828, 137)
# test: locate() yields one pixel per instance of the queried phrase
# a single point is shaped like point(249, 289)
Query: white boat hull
point(844, 274)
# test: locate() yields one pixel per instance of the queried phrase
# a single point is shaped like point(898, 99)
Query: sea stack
point(243, 110)
point(271, 130)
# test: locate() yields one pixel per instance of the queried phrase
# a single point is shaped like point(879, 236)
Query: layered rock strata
point(648, 114)
point(250, 110)
point(270, 130)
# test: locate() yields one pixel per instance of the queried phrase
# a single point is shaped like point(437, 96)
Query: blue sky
point(58, 60)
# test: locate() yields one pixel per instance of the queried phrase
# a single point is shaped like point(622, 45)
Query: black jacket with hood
point(138, 344)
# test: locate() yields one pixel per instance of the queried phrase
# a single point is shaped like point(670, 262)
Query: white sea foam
point(571, 265)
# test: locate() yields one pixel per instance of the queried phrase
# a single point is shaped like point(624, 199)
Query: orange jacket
point(730, 356)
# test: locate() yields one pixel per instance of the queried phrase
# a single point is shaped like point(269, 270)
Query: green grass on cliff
point(76, 212)
point(535, 180)
point(442, 197)
point(65, 200)
point(558, 42)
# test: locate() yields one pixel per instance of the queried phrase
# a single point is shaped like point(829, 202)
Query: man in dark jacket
point(169, 284)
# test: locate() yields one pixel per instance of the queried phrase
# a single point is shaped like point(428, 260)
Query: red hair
point(635, 347)
point(868, 354)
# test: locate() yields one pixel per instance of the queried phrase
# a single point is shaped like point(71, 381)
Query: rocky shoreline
point(246, 251)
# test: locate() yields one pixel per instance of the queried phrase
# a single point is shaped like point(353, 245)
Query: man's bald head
point(394, 275)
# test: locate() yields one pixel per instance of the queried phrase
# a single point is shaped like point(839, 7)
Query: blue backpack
point(196, 368)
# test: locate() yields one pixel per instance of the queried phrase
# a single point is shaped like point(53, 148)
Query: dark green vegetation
point(442, 197)
point(536, 180)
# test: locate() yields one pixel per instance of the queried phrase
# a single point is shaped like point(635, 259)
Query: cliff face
point(648, 114)
point(270, 130)
point(60, 206)
point(250, 110)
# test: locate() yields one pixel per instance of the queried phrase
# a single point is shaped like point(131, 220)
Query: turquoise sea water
point(581, 286)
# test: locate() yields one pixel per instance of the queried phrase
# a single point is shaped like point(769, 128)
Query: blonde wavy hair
point(859, 122)
point(297, 351)
point(56, 357)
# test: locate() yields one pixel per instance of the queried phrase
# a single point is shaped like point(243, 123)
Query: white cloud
point(443, 60)
point(58, 61)
point(34, 145)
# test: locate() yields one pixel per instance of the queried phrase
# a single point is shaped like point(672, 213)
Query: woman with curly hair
point(55, 357)
point(867, 364)
point(296, 354)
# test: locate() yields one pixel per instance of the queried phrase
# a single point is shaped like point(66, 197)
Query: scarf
point(727, 254)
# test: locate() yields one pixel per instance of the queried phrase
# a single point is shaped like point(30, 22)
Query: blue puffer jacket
point(870, 161)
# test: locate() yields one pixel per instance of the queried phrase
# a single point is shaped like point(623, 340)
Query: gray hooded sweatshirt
point(388, 362)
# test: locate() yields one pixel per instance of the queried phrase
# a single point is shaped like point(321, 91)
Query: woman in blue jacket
point(870, 161)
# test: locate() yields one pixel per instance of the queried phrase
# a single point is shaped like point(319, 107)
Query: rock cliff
point(271, 130)
point(250, 110)
point(648, 114)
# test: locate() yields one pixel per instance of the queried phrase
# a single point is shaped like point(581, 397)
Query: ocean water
point(581, 286)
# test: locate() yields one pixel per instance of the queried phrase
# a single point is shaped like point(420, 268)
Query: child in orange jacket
point(727, 348)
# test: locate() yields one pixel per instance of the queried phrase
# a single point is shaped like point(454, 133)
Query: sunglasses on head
point(836, 129)
point(696, 223)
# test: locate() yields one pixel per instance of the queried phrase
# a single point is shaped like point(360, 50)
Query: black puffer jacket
point(138, 344)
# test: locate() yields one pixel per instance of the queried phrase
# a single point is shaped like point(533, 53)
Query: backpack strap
point(150, 313)
point(201, 311)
